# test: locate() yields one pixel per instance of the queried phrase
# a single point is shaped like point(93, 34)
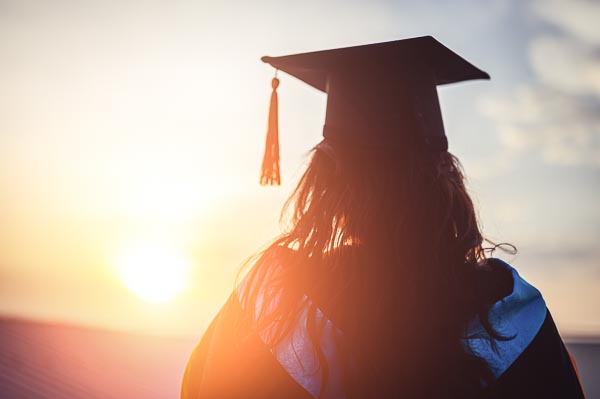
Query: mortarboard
point(379, 95)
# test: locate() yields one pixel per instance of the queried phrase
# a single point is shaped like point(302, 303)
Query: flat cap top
point(314, 68)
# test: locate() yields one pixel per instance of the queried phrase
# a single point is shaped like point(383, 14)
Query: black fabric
point(230, 362)
point(544, 370)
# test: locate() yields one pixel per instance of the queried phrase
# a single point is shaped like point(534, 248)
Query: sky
point(135, 130)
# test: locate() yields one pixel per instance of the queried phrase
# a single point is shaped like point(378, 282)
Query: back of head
point(400, 230)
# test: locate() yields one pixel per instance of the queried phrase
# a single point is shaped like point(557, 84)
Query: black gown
point(229, 362)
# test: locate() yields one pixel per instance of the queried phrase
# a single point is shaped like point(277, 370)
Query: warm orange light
point(155, 273)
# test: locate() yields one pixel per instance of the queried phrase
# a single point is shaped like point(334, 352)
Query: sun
point(155, 273)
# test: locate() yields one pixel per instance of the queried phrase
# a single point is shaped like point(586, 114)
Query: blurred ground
point(39, 360)
point(52, 361)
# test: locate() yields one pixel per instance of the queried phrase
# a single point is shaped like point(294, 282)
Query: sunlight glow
point(155, 273)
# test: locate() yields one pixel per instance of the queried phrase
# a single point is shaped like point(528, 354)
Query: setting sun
point(154, 273)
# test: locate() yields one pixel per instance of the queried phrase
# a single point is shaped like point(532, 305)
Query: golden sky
point(131, 133)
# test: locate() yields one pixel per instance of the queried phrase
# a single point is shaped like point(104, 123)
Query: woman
point(381, 287)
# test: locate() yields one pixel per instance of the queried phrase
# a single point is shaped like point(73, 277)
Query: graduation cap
point(379, 95)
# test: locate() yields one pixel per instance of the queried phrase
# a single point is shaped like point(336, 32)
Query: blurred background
point(131, 138)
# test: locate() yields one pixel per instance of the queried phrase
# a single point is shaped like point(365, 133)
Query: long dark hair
point(401, 226)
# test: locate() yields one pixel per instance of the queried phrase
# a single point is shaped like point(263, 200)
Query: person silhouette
point(382, 287)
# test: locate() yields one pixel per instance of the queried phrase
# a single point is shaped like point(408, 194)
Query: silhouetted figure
point(381, 287)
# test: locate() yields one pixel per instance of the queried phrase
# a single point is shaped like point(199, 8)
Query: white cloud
point(557, 116)
point(578, 18)
point(564, 129)
point(566, 63)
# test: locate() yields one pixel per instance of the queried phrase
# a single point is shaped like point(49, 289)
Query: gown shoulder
point(529, 358)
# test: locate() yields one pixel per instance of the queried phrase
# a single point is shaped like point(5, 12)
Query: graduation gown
point(231, 363)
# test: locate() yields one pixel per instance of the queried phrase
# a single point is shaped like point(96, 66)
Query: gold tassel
point(270, 165)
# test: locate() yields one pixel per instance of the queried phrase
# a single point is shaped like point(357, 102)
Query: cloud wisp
point(557, 116)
